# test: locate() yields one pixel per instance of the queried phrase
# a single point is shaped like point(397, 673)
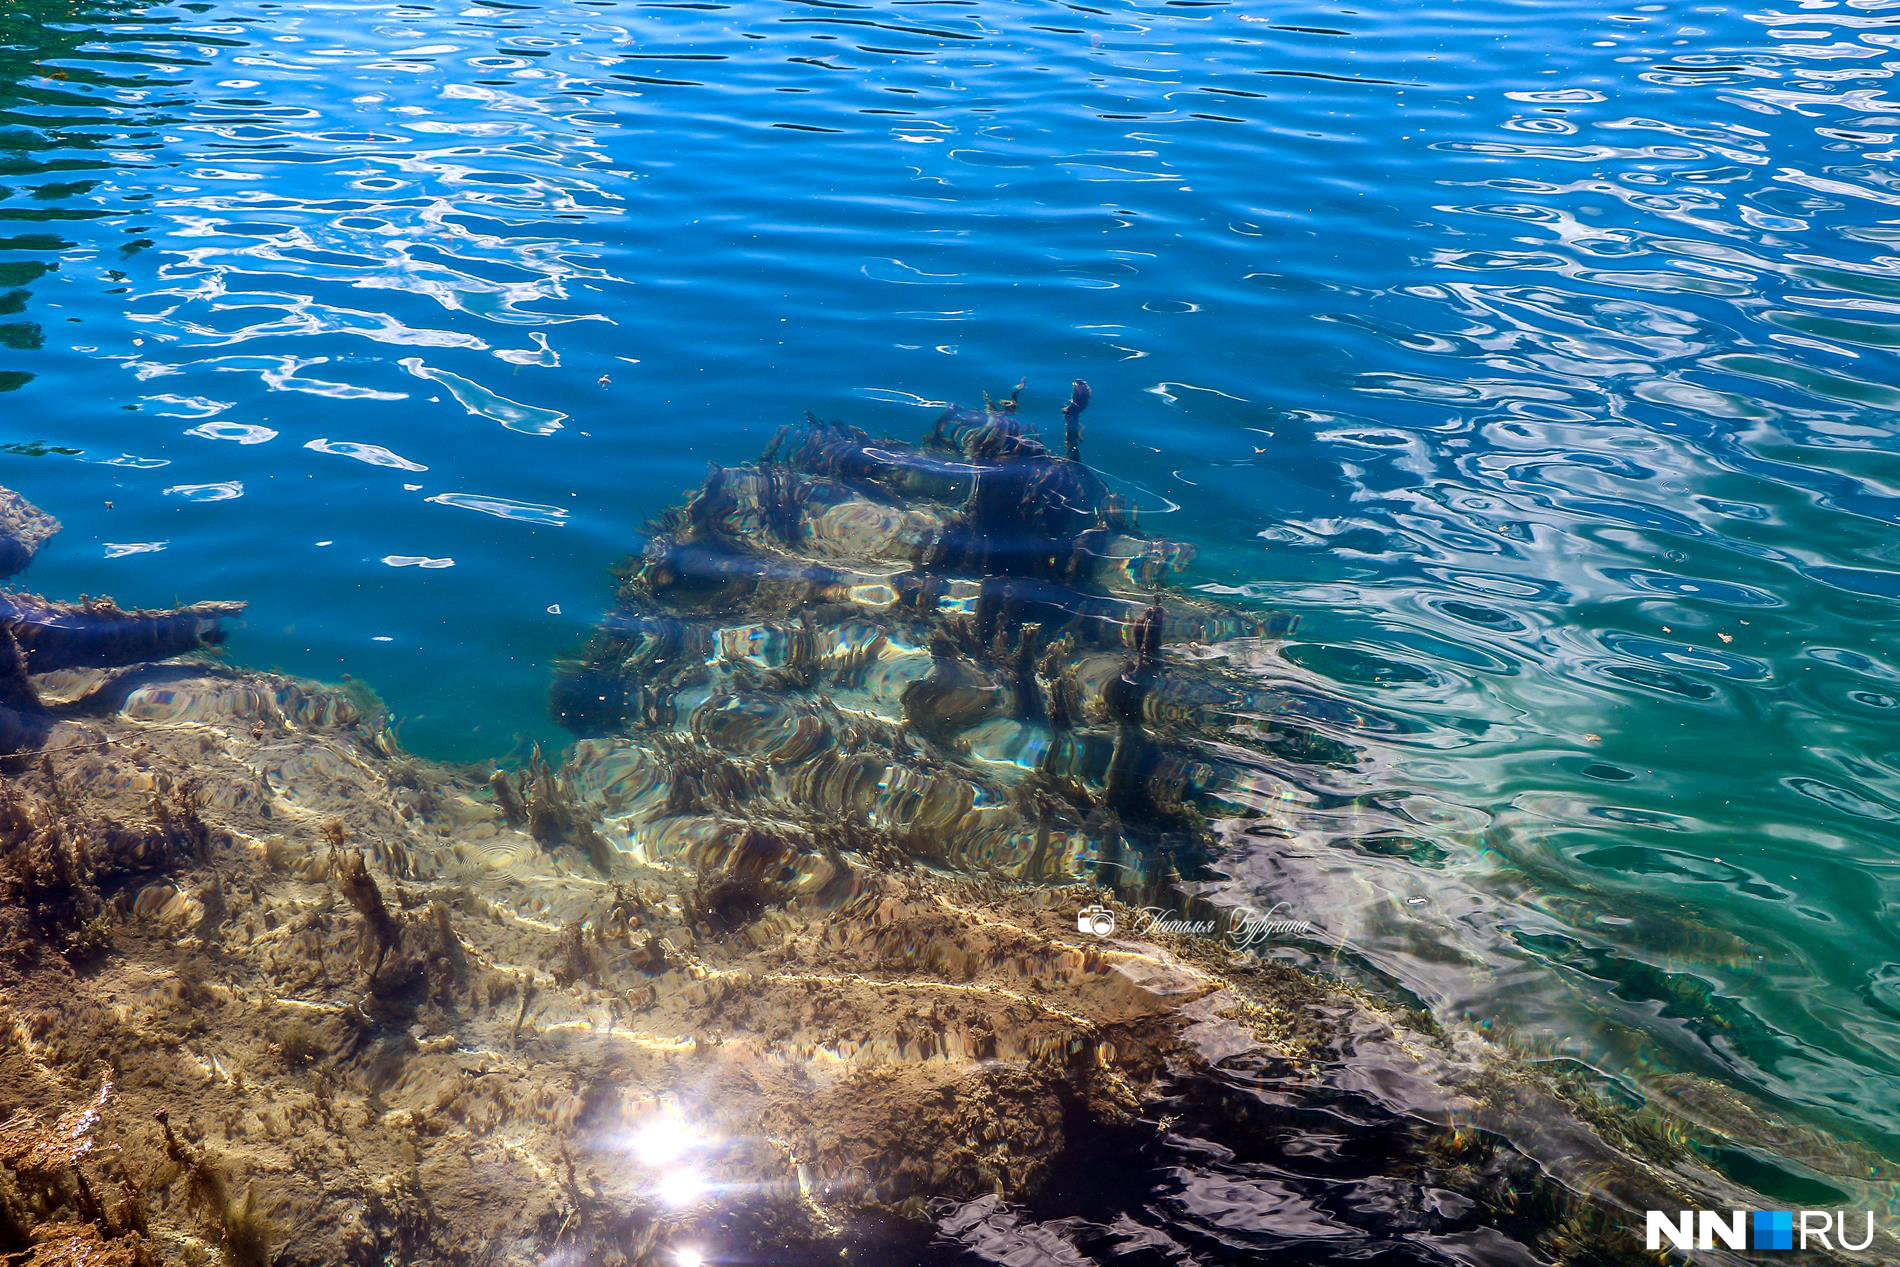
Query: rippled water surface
point(1539, 358)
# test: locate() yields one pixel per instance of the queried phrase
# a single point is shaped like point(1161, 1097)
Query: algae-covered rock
point(24, 528)
point(780, 963)
point(964, 647)
point(382, 1034)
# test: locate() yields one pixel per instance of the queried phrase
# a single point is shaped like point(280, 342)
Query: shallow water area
point(1529, 366)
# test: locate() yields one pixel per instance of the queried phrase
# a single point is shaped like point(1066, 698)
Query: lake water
point(1539, 358)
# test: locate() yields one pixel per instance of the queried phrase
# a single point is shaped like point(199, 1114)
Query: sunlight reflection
point(680, 1188)
point(666, 1138)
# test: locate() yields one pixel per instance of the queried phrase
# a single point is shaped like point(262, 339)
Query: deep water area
point(1480, 565)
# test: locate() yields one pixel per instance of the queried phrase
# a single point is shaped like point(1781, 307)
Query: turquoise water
point(1538, 357)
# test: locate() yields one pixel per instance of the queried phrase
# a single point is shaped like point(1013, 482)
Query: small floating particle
point(326, 543)
point(1726, 637)
point(554, 609)
point(606, 380)
point(1593, 738)
point(381, 638)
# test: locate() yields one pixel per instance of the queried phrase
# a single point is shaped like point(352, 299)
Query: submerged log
point(39, 635)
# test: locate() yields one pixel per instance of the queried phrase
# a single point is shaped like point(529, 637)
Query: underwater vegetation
point(340, 1011)
point(779, 963)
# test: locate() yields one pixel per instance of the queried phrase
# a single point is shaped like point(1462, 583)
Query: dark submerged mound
point(964, 647)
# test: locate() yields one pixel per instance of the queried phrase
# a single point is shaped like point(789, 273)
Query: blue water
point(1539, 357)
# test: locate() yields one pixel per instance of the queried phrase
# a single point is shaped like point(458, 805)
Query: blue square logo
point(1774, 1229)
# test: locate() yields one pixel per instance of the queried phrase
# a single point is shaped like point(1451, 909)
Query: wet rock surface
point(24, 528)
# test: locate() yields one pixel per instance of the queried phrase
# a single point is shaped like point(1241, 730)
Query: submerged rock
point(352, 1016)
point(962, 647)
point(859, 666)
point(24, 528)
point(712, 991)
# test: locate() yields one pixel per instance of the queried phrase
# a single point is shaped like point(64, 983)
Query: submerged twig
point(360, 891)
point(1072, 419)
